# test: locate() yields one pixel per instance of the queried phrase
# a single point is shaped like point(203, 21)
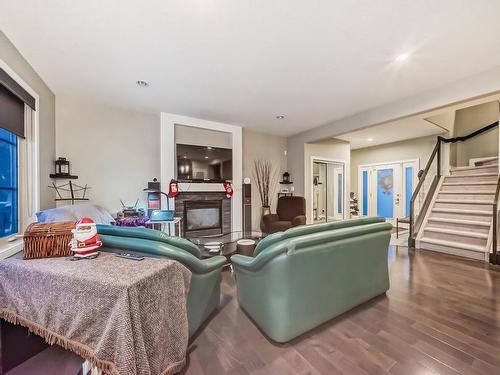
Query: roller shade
point(12, 100)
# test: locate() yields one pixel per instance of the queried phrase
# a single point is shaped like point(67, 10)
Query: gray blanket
point(126, 317)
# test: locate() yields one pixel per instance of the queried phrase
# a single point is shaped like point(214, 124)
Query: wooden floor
point(441, 316)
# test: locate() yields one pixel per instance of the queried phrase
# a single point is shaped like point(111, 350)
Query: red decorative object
point(229, 189)
point(173, 189)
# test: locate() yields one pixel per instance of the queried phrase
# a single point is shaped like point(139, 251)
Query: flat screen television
point(204, 163)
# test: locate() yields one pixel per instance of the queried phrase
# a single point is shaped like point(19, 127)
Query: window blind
point(12, 100)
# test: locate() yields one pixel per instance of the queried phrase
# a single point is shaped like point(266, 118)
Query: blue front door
point(385, 192)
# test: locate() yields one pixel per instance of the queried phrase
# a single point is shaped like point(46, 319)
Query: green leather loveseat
point(204, 291)
point(295, 283)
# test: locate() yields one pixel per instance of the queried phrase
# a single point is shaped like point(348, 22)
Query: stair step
point(475, 226)
point(466, 192)
point(474, 183)
point(464, 212)
point(457, 232)
point(465, 201)
point(467, 195)
point(477, 177)
point(456, 245)
point(464, 236)
point(469, 251)
point(474, 187)
point(460, 221)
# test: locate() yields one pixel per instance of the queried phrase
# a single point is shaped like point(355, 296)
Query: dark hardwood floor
point(441, 316)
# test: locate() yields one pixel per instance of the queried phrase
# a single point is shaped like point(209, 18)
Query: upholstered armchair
point(291, 212)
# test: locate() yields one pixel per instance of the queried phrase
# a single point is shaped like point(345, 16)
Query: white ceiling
point(400, 130)
point(244, 62)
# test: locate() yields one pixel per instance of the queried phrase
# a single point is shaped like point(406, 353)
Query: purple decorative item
point(131, 221)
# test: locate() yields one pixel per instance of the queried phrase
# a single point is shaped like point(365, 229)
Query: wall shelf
point(63, 176)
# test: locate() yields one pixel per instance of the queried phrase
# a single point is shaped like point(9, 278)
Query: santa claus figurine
point(85, 240)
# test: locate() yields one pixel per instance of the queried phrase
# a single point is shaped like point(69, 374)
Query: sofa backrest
point(150, 234)
point(290, 207)
point(314, 228)
point(327, 239)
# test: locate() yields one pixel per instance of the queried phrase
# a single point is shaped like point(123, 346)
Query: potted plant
point(263, 172)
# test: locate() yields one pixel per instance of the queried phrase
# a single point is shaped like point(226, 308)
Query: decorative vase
point(266, 210)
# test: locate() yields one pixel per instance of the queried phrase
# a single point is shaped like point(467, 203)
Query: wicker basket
point(47, 240)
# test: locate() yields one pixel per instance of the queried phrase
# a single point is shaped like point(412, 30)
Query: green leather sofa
point(299, 282)
point(204, 291)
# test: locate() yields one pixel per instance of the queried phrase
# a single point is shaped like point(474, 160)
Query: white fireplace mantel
point(193, 187)
point(168, 159)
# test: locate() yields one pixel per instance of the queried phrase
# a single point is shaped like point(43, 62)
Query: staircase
point(459, 220)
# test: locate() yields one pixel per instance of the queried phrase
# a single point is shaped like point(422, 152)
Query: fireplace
point(203, 213)
point(202, 216)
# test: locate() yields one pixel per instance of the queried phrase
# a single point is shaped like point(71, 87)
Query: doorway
point(385, 189)
point(328, 190)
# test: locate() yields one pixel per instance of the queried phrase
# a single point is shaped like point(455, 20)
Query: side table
point(165, 225)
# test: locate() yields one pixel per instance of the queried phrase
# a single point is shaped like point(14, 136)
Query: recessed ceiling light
point(142, 83)
point(206, 157)
point(280, 117)
point(370, 139)
point(402, 57)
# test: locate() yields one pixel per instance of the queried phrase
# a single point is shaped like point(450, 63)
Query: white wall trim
point(168, 162)
point(311, 196)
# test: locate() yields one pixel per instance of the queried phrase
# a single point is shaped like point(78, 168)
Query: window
point(19, 172)
point(9, 195)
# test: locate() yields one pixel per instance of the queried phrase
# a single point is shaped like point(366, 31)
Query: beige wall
point(11, 56)
point(444, 120)
point(326, 150)
point(113, 150)
point(256, 146)
point(419, 148)
point(295, 162)
point(190, 135)
point(468, 120)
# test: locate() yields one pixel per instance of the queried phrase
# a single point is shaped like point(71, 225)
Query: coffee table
point(224, 244)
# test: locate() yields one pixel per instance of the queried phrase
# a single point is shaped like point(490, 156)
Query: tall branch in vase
point(263, 173)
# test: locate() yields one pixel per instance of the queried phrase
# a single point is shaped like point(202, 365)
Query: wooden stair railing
point(416, 220)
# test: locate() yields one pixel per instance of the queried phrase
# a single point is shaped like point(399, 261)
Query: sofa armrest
point(270, 218)
point(299, 220)
point(213, 263)
point(254, 264)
